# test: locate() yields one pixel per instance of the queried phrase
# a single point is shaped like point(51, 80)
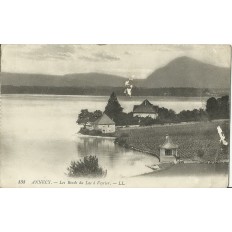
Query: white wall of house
point(144, 115)
point(105, 129)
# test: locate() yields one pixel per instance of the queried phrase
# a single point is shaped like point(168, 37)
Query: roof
point(168, 144)
point(104, 120)
point(145, 107)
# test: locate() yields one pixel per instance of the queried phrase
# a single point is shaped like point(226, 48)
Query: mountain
point(70, 80)
point(187, 72)
point(182, 72)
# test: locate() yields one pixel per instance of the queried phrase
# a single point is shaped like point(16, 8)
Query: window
point(168, 152)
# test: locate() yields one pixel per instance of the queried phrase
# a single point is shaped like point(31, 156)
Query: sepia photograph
point(115, 116)
point(110, 115)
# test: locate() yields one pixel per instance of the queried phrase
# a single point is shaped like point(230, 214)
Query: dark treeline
point(106, 91)
point(215, 109)
point(8, 89)
point(218, 108)
point(169, 116)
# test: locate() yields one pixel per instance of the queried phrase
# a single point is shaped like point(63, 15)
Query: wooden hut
point(168, 151)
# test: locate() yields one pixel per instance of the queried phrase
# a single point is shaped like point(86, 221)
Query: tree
point(202, 115)
point(88, 167)
point(223, 107)
point(146, 121)
point(96, 114)
point(166, 115)
point(86, 116)
point(212, 108)
point(113, 108)
point(124, 119)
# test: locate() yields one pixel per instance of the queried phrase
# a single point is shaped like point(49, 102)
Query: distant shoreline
point(107, 90)
point(120, 96)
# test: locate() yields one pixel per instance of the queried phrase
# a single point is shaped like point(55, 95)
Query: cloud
point(100, 56)
point(127, 53)
point(125, 60)
point(105, 56)
point(42, 52)
point(89, 58)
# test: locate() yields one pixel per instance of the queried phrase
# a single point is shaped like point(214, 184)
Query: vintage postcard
point(115, 115)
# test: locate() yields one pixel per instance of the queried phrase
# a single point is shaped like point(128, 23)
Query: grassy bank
point(201, 169)
point(195, 141)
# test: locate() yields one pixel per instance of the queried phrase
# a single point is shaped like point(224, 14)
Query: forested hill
point(69, 80)
point(188, 72)
point(183, 72)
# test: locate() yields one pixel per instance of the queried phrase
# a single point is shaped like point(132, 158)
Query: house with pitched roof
point(145, 109)
point(104, 124)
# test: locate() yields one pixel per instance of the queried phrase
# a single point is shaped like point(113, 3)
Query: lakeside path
point(187, 176)
point(192, 138)
point(193, 169)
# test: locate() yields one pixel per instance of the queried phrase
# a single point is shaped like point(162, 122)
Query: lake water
point(39, 135)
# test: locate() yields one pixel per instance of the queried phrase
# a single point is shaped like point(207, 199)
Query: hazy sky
point(123, 60)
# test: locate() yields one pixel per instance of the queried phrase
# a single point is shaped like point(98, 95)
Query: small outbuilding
point(168, 151)
point(145, 109)
point(104, 124)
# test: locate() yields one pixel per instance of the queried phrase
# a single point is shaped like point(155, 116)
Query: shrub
point(85, 131)
point(88, 167)
point(121, 141)
point(146, 121)
point(200, 153)
point(124, 135)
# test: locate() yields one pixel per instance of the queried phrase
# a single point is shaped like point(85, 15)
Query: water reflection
point(104, 149)
point(117, 160)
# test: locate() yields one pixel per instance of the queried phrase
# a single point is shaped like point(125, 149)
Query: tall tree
point(224, 107)
point(212, 108)
point(113, 108)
